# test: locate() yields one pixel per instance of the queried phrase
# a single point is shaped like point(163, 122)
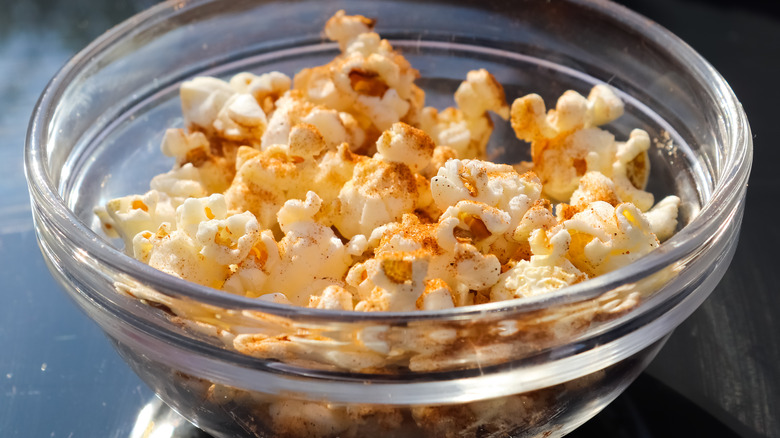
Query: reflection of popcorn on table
point(338, 189)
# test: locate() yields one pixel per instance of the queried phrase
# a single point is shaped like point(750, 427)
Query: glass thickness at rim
point(693, 236)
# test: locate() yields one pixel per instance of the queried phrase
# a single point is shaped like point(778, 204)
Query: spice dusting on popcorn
point(339, 188)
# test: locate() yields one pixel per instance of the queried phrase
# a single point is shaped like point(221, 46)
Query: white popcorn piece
point(265, 180)
point(477, 222)
point(592, 187)
point(305, 142)
point(470, 269)
point(369, 80)
point(186, 148)
point(333, 298)
point(604, 105)
point(480, 93)
point(343, 28)
point(392, 281)
point(241, 119)
point(378, 193)
point(266, 88)
point(176, 253)
point(193, 211)
point(311, 256)
point(248, 277)
point(436, 295)
point(497, 185)
point(333, 171)
point(663, 217)
point(566, 143)
point(201, 100)
point(538, 217)
point(215, 170)
point(560, 165)
point(133, 214)
point(405, 144)
point(572, 112)
point(291, 109)
point(547, 270)
point(605, 238)
point(467, 128)
point(630, 170)
point(180, 183)
point(228, 241)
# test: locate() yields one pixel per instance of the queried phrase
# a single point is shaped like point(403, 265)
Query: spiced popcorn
point(339, 189)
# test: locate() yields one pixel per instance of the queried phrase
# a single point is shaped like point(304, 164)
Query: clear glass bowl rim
point(725, 197)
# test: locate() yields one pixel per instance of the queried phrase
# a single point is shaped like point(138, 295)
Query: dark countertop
point(717, 376)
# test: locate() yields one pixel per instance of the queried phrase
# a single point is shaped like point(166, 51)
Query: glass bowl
point(529, 367)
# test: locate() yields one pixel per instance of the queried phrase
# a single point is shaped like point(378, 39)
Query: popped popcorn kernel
point(405, 144)
point(378, 193)
point(266, 88)
point(604, 238)
point(467, 128)
point(566, 143)
point(343, 28)
point(333, 297)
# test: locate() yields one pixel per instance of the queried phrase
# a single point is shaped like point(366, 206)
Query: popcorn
point(228, 241)
point(436, 295)
point(547, 270)
point(663, 217)
point(292, 108)
point(130, 215)
point(266, 88)
point(186, 148)
point(474, 222)
point(248, 277)
point(404, 144)
point(339, 191)
point(180, 183)
point(311, 256)
point(194, 149)
point(394, 281)
point(378, 193)
point(630, 170)
point(368, 80)
point(241, 119)
point(176, 253)
point(344, 28)
point(495, 185)
point(467, 129)
point(566, 143)
point(202, 98)
point(265, 180)
point(334, 298)
point(604, 238)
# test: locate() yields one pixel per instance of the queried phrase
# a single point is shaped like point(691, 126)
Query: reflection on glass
point(157, 420)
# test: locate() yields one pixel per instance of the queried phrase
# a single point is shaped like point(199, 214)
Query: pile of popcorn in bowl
point(339, 189)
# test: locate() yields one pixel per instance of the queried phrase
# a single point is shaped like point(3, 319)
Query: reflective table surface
point(719, 374)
